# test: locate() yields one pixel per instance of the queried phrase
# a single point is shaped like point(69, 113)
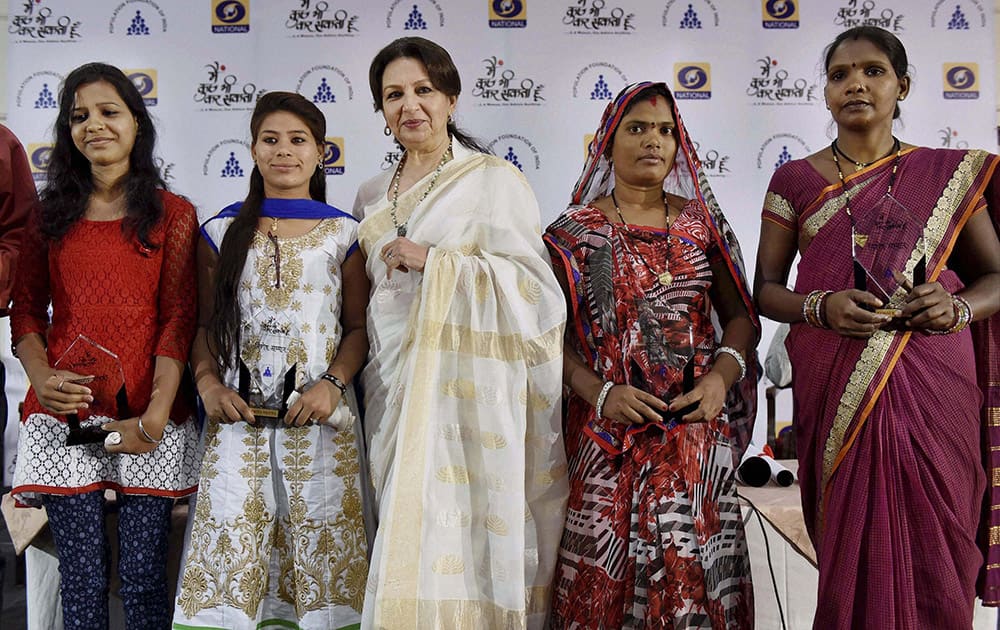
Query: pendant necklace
point(272, 235)
point(401, 227)
point(859, 240)
point(665, 278)
point(860, 165)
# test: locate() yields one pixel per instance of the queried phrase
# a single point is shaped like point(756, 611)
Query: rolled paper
point(341, 418)
point(781, 475)
point(754, 471)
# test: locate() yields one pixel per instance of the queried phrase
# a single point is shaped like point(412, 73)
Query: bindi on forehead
point(652, 100)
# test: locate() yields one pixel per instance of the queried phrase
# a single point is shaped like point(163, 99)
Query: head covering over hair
point(686, 179)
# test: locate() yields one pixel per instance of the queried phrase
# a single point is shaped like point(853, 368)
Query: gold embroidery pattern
point(779, 206)
point(279, 298)
point(442, 337)
point(832, 206)
point(880, 343)
point(530, 290)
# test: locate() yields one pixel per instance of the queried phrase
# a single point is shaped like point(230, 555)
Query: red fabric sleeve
point(17, 198)
point(178, 307)
point(29, 312)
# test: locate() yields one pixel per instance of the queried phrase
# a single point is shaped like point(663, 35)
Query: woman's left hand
point(710, 394)
point(403, 254)
point(315, 404)
point(929, 306)
point(132, 440)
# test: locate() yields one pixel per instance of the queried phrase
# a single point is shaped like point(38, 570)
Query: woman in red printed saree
point(897, 256)
point(654, 536)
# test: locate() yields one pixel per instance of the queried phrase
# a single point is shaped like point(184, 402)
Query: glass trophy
point(684, 361)
point(101, 371)
point(266, 379)
point(882, 240)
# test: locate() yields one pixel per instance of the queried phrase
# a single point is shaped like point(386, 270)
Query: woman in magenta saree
point(654, 537)
point(887, 404)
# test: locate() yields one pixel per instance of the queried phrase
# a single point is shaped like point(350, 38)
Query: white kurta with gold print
point(278, 537)
point(462, 396)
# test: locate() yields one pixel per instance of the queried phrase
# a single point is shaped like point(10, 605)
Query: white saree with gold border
point(463, 404)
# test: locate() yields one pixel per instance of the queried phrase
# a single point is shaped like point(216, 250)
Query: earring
point(387, 131)
point(451, 121)
point(900, 98)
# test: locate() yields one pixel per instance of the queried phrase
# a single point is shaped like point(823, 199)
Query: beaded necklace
point(860, 165)
point(665, 278)
point(401, 227)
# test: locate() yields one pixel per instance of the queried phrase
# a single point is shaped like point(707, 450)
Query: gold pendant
point(665, 278)
point(861, 239)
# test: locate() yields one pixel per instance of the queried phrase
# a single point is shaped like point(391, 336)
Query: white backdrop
point(536, 75)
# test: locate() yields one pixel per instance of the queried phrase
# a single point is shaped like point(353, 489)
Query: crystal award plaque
point(265, 379)
point(103, 374)
point(882, 240)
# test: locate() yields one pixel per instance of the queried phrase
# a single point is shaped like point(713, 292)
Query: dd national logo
point(39, 155)
point(144, 80)
point(230, 16)
point(333, 156)
point(780, 13)
point(961, 81)
point(508, 13)
point(693, 80)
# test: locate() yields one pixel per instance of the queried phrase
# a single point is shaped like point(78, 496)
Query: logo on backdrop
point(391, 158)
point(228, 159)
point(517, 150)
point(781, 148)
point(230, 16)
point(39, 90)
point(951, 139)
point(333, 156)
point(587, 139)
point(693, 80)
point(144, 80)
point(713, 161)
point(780, 13)
point(166, 169)
point(221, 90)
point(39, 155)
point(599, 81)
point(961, 81)
point(138, 17)
point(695, 16)
point(39, 23)
point(508, 13)
point(866, 13)
point(598, 17)
point(773, 85)
point(958, 15)
point(414, 16)
point(325, 84)
point(319, 19)
point(500, 85)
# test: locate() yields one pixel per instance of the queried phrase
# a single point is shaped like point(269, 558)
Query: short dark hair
point(883, 40)
point(440, 68)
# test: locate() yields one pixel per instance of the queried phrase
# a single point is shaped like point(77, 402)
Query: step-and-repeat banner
point(536, 76)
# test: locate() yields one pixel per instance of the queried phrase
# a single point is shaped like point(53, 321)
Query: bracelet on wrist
point(146, 437)
point(814, 308)
point(963, 316)
point(339, 384)
point(733, 352)
point(599, 407)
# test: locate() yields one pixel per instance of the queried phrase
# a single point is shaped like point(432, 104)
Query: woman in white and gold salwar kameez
point(277, 538)
point(463, 386)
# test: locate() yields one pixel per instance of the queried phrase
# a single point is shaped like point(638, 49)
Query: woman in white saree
point(462, 390)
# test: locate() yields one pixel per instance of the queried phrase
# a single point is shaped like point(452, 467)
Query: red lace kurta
point(138, 303)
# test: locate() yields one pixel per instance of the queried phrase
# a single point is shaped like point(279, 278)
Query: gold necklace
point(665, 278)
point(858, 239)
point(401, 227)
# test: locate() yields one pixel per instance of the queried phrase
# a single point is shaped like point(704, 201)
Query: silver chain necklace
point(401, 227)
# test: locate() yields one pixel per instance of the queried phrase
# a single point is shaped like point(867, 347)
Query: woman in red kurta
point(114, 255)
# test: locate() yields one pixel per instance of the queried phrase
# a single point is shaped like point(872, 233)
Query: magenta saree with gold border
point(888, 428)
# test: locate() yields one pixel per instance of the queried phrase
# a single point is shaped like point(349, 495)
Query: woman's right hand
point(846, 316)
point(630, 405)
point(225, 405)
point(62, 391)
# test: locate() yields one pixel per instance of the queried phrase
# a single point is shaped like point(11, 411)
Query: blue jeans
point(77, 525)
